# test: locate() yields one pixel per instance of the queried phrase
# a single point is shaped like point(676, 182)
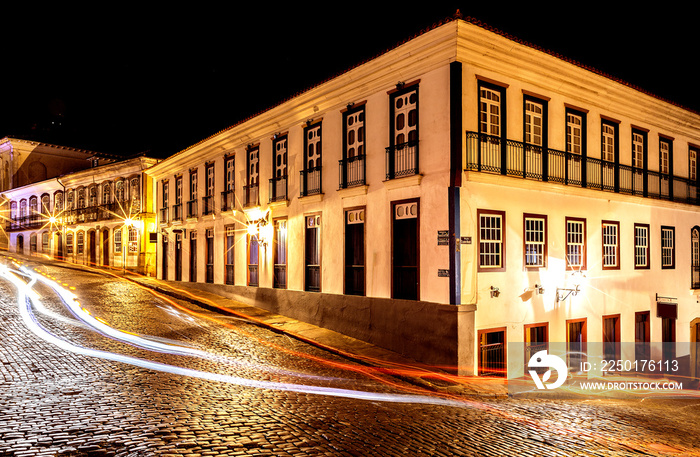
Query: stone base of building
point(431, 333)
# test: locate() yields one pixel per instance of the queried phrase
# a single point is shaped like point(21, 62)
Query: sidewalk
point(350, 348)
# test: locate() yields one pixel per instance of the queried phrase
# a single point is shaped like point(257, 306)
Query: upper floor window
point(106, 193)
point(535, 236)
point(611, 245)
point(135, 191)
point(178, 190)
point(58, 201)
point(490, 111)
point(608, 140)
point(311, 175)
point(638, 147)
point(664, 156)
point(45, 204)
point(210, 179)
point(693, 164)
point(574, 133)
point(81, 197)
point(534, 122)
point(193, 184)
point(92, 196)
point(491, 240)
point(119, 193)
point(253, 176)
point(355, 133)
point(165, 196)
point(575, 243)
point(230, 166)
point(405, 116)
point(33, 206)
point(23, 208)
point(695, 257)
point(13, 211)
point(668, 248)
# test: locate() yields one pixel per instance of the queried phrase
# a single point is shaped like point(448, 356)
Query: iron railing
point(352, 171)
point(278, 189)
point(402, 160)
point(491, 154)
point(228, 200)
point(251, 195)
point(310, 181)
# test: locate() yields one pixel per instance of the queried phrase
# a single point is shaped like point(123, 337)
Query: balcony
point(251, 195)
point(488, 154)
point(278, 189)
point(177, 212)
point(164, 215)
point(402, 160)
point(310, 181)
point(207, 205)
point(228, 200)
point(352, 172)
point(192, 209)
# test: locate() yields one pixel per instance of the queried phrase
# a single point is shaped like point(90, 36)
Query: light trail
point(26, 297)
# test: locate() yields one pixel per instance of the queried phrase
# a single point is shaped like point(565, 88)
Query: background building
point(100, 216)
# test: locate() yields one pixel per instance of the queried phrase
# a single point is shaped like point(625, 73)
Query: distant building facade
point(100, 216)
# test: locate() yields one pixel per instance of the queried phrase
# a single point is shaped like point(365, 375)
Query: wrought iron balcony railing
point(177, 212)
point(310, 181)
point(402, 160)
point(228, 200)
point(207, 205)
point(192, 208)
point(251, 195)
point(352, 171)
point(490, 154)
point(278, 189)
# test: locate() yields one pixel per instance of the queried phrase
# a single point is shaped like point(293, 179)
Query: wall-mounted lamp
point(563, 294)
point(495, 292)
point(400, 84)
point(539, 289)
point(256, 227)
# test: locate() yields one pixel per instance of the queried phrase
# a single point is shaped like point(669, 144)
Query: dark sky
point(135, 79)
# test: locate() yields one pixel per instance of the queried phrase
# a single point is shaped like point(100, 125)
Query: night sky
point(141, 80)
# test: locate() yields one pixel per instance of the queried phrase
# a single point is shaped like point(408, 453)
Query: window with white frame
point(535, 236)
point(574, 133)
point(81, 242)
point(641, 246)
point(693, 164)
point(611, 245)
point(575, 243)
point(491, 240)
point(637, 150)
point(668, 249)
point(117, 241)
point(607, 150)
point(533, 123)
point(664, 154)
point(489, 111)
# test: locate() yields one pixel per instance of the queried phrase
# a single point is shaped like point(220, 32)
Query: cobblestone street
point(209, 389)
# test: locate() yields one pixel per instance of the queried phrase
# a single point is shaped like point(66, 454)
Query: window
point(638, 147)
point(208, 200)
point(352, 166)
point(45, 204)
point(575, 243)
point(489, 111)
point(32, 243)
point(193, 256)
point(693, 165)
point(668, 249)
point(402, 155)
point(228, 195)
point(641, 246)
point(166, 194)
point(133, 240)
point(117, 241)
point(608, 141)
point(491, 240)
point(695, 257)
point(278, 183)
point(535, 236)
point(611, 245)
point(106, 193)
point(209, 256)
point(135, 193)
point(253, 177)
point(69, 243)
point(92, 196)
point(253, 253)
point(311, 176)
point(533, 123)
point(45, 237)
point(574, 133)
point(81, 242)
point(192, 203)
point(119, 193)
point(280, 254)
point(229, 253)
point(664, 156)
point(58, 202)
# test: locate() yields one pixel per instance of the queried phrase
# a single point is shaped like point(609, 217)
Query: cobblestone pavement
point(56, 401)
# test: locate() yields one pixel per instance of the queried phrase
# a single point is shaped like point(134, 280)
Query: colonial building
point(100, 216)
point(458, 192)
